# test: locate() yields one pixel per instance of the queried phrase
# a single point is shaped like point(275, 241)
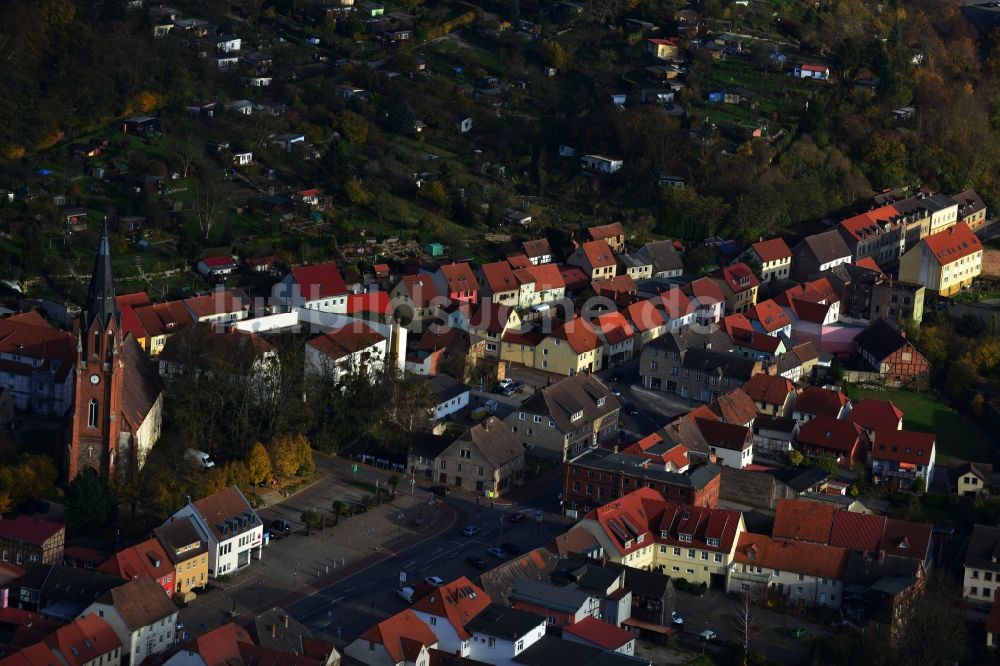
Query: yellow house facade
point(946, 262)
point(571, 349)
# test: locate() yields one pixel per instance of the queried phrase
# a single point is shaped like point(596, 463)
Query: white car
point(470, 530)
point(707, 635)
point(676, 619)
point(434, 581)
point(406, 594)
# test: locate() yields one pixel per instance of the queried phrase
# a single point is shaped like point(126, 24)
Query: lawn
point(958, 439)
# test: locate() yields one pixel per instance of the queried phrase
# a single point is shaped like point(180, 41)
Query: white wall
point(730, 458)
point(139, 643)
point(503, 651)
point(445, 408)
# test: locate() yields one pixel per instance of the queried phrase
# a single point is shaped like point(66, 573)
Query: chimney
point(486, 424)
point(284, 620)
point(274, 630)
point(881, 555)
point(616, 448)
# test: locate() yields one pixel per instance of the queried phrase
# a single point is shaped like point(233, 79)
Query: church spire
point(101, 296)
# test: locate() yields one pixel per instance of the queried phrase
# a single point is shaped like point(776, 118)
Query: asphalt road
point(345, 609)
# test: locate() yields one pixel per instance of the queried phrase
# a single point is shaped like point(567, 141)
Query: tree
point(828, 463)
point(91, 504)
point(236, 473)
point(920, 486)
point(553, 54)
point(209, 202)
point(339, 509)
point(394, 483)
point(258, 464)
point(353, 126)
point(797, 458)
point(356, 193)
point(402, 118)
point(435, 193)
point(310, 519)
point(285, 455)
point(406, 401)
point(744, 623)
point(934, 631)
point(306, 463)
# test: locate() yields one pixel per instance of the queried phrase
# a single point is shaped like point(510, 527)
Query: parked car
point(470, 530)
point(616, 391)
point(498, 553)
point(511, 548)
point(440, 491)
point(476, 562)
point(434, 581)
point(517, 516)
point(406, 594)
point(676, 619)
point(707, 635)
point(281, 526)
point(630, 409)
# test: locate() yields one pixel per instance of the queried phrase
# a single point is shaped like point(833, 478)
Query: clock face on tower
point(95, 379)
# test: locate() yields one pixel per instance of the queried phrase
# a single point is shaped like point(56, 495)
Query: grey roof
point(494, 441)
point(754, 489)
point(537, 564)
point(708, 360)
point(774, 423)
point(984, 548)
point(866, 568)
point(664, 256)
point(547, 595)
point(922, 202)
point(75, 586)
point(982, 470)
point(551, 650)
point(635, 259)
point(969, 202)
point(880, 339)
point(648, 583)
point(446, 387)
point(177, 534)
point(688, 338)
point(288, 632)
point(604, 459)
point(807, 478)
point(504, 622)
point(101, 302)
point(825, 247)
point(585, 575)
point(142, 382)
point(428, 445)
point(569, 395)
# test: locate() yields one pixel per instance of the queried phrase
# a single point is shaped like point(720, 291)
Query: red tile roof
point(598, 253)
point(769, 315)
point(803, 520)
point(606, 231)
point(579, 334)
point(38, 654)
point(459, 277)
point(545, 276)
point(873, 414)
point(421, 288)
point(869, 263)
point(223, 506)
point(612, 287)
point(346, 340)
point(953, 243)
point(490, 317)
point(144, 559)
point(677, 455)
point(218, 302)
point(376, 302)
point(856, 531)
point(458, 601)
point(721, 435)
point(499, 277)
point(739, 278)
point(735, 407)
point(800, 557)
point(736, 321)
point(903, 446)
point(319, 281)
point(675, 302)
point(217, 262)
point(537, 248)
point(614, 327)
point(599, 633)
point(768, 389)
point(826, 432)
point(573, 277)
point(29, 530)
point(820, 401)
point(518, 261)
point(645, 316)
point(865, 225)
point(751, 339)
point(134, 299)
point(84, 640)
point(774, 249)
point(529, 337)
point(221, 645)
point(29, 335)
point(395, 631)
point(705, 290)
point(992, 622)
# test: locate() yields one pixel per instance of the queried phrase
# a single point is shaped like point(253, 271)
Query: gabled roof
point(422, 289)
point(598, 253)
point(140, 603)
point(800, 557)
point(768, 389)
point(605, 231)
point(820, 401)
point(674, 303)
point(953, 243)
point(144, 559)
point(968, 202)
point(873, 414)
point(499, 277)
point(346, 340)
point(227, 506)
point(537, 248)
point(395, 630)
point(599, 633)
point(867, 263)
point(29, 335)
point(570, 395)
point(612, 287)
point(579, 334)
point(38, 654)
point(573, 277)
point(735, 407)
point(983, 471)
point(705, 290)
point(984, 548)
point(645, 316)
point(769, 315)
point(725, 363)
point(905, 538)
point(739, 278)
point(881, 339)
point(856, 531)
point(458, 601)
point(218, 262)
point(863, 226)
point(827, 432)
point(177, 538)
point(904, 446)
point(459, 277)
point(218, 302)
point(545, 276)
point(536, 564)
point(84, 640)
point(613, 327)
point(774, 249)
point(490, 317)
point(825, 247)
point(664, 256)
point(220, 646)
point(803, 520)
point(494, 441)
point(319, 281)
point(721, 435)
point(29, 529)
point(505, 622)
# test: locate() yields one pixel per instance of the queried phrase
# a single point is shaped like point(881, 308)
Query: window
point(492, 642)
point(677, 552)
point(988, 575)
point(712, 542)
point(973, 591)
point(975, 573)
point(520, 645)
point(704, 554)
point(718, 557)
point(600, 402)
point(654, 366)
point(433, 620)
point(691, 553)
point(520, 416)
point(92, 413)
point(538, 419)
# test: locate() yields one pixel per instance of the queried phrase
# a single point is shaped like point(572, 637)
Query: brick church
point(117, 395)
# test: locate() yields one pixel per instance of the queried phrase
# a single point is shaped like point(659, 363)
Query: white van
point(200, 458)
point(406, 594)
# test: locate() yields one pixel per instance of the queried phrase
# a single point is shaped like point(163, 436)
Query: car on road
point(707, 635)
point(440, 491)
point(470, 530)
point(630, 409)
point(434, 581)
point(281, 526)
point(617, 392)
point(406, 594)
point(614, 378)
point(676, 619)
point(517, 516)
point(498, 553)
point(476, 562)
point(511, 548)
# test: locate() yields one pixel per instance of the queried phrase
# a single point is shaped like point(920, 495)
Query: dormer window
point(600, 402)
point(640, 538)
point(628, 544)
point(686, 538)
point(663, 534)
point(712, 542)
point(576, 416)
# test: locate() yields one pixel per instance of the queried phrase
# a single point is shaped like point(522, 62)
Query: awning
point(906, 465)
point(649, 626)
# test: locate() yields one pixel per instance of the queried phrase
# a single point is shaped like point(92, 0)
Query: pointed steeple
point(101, 296)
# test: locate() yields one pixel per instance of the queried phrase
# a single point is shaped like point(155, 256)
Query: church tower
point(99, 384)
